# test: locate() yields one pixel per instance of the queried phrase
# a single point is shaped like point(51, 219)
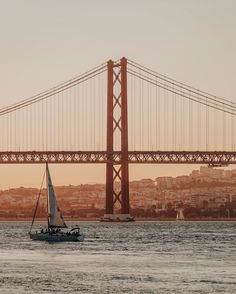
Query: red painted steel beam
point(124, 140)
point(109, 163)
point(137, 157)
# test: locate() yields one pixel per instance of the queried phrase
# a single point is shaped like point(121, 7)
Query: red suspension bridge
point(94, 117)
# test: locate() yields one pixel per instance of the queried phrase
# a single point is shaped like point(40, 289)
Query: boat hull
point(117, 218)
point(58, 237)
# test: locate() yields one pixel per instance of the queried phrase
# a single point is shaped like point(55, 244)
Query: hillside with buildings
point(205, 193)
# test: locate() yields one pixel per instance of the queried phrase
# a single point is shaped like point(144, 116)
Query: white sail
point(180, 214)
point(55, 218)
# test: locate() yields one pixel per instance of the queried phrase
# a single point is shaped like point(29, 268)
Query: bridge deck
point(142, 157)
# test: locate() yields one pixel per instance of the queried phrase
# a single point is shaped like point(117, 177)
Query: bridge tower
point(117, 173)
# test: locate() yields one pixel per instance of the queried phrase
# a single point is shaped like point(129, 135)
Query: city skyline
point(203, 194)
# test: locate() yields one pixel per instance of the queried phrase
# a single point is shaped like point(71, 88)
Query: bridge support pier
point(117, 173)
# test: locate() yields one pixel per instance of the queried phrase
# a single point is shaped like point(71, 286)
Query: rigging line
point(71, 81)
point(183, 95)
point(37, 203)
point(175, 81)
point(47, 95)
point(202, 98)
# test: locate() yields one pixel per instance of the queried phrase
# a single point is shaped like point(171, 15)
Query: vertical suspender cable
point(232, 133)
point(142, 106)
point(159, 119)
point(148, 117)
point(223, 131)
point(173, 120)
point(75, 109)
point(199, 126)
point(190, 124)
point(207, 127)
point(156, 111)
point(140, 115)
point(215, 130)
point(62, 121)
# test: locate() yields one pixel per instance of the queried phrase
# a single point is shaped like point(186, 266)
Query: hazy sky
point(49, 41)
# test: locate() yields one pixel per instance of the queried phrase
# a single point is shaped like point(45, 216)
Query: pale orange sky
point(47, 42)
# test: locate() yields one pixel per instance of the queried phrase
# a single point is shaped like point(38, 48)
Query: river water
point(139, 257)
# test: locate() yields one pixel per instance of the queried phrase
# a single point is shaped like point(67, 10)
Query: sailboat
point(55, 221)
point(180, 214)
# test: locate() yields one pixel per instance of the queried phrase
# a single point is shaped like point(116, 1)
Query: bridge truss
point(212, 158)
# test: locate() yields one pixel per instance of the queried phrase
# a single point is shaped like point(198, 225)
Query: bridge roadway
point(214, 158)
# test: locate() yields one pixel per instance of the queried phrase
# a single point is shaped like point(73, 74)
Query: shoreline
point(136, 220)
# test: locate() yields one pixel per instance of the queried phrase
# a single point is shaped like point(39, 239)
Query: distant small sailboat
point(180, 214)
point(53, 233)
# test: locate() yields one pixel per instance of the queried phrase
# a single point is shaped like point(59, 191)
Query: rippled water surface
point(139, 257)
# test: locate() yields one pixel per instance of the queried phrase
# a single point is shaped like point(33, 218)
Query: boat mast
point(37, 203)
